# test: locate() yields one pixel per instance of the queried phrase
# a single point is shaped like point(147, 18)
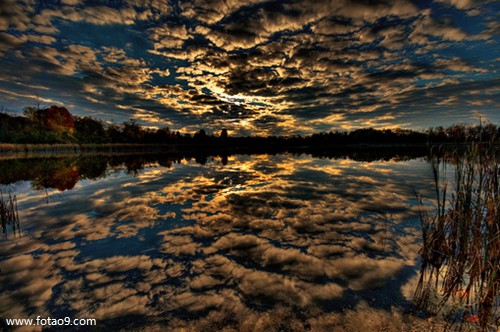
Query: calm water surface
point(204, 245)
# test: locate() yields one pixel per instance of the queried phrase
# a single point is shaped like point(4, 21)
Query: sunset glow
point(255, 67)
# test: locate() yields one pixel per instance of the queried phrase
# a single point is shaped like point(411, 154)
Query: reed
point(9, 214)
point(461, 240)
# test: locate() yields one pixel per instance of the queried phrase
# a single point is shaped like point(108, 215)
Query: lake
point(249, 242)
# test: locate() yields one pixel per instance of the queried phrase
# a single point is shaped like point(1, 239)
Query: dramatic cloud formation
point(267, 67)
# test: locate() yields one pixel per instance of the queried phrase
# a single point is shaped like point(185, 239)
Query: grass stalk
point(9, 213)
point(461, 240)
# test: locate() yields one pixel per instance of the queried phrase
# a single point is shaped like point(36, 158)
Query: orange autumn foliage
point(57, 118)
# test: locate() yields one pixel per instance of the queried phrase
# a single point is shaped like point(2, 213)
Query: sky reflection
point(192, 245)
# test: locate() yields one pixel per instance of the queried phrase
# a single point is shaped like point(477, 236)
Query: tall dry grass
point(9, 214)
point(461, 240)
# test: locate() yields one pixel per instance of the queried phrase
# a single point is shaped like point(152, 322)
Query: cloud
point(71, 2)
point(427, 26)
point(212, 11)
point(100, 15)
point(16, 14)
point(262, 66)
point(460, 4)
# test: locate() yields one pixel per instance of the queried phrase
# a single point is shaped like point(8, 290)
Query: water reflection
point(63, 172)
point(258, 242)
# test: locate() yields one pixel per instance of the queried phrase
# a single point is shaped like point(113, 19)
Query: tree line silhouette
point(57, 125)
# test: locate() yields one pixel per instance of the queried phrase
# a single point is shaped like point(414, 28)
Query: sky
point(255, 66)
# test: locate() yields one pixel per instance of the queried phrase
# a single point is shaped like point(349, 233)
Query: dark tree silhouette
point(132, 131)
point(56, 125)
point(89, 130)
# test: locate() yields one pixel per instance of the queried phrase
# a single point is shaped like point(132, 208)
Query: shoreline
point(7, 148)
point(13, 151)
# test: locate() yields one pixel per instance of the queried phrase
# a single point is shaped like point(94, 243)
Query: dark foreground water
point(248, 242)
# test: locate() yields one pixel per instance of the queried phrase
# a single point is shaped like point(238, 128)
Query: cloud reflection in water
point(193, 245)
